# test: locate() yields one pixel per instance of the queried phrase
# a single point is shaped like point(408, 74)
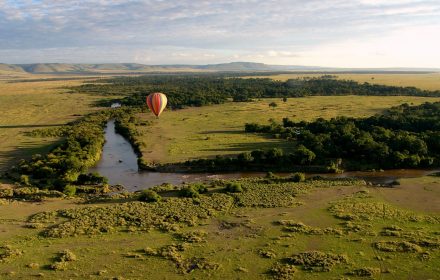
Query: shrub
point(245, 157)
point(298, 177)
point(395, 183)
point(273, 104)
point(201, 188)
point(283, 271)
point(193, 190)
point(25, 192)
point(6, 253)
point(59, 266)
point(63, 260)
point(149, 196)
point(6, 193)
point(69, 190)
point(165, 187)
point(193, 236)
point(268, 254)
point(234, 188)
point(397, 246)
point(33, 265)
point(24, 180)
point(365, 272)
point(91, 179)
point(67, 256)
point(271, 175)
point(317, 261)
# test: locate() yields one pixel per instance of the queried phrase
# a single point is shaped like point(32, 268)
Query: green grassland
point(272, 230)
point(26, 106)
point(219, 129)
point(428, 81)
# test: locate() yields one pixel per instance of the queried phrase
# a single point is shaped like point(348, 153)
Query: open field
point(219, 129)
point(271, 229)
point(350, 227)
point(429, 81)
point(26, 106)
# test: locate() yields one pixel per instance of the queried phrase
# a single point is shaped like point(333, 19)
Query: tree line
point(402, 137)
point(200, 90)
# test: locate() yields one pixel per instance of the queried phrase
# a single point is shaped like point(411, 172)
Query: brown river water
point(119, 164)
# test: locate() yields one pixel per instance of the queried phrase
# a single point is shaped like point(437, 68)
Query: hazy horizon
point(341, 33)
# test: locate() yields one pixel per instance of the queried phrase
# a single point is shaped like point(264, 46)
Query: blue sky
point(338, 33)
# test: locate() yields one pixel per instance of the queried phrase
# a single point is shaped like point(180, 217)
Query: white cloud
point(187, 31)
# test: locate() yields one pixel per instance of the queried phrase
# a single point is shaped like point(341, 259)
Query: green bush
point(234, 188)
point(91, 179)
point(24, 180)
point(7, 252)
point(283, 271)
point(189, 191)
point(6, 193)
point(271, 175)
point(201, 188)
point(69, 190)
point(365, 272)
point(193, 190)
point(317, 261)
point(397, 246)
point(298, 177)
point(149, 196)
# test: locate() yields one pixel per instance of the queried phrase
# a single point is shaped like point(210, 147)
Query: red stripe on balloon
point(156, 103)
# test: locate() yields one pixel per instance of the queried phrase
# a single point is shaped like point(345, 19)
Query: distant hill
point(10, 69)
point(103, 68)
point(237, 66)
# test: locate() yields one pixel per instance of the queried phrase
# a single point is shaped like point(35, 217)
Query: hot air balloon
point(157, 101)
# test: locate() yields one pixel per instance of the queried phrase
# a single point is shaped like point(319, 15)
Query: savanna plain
point(272, 227)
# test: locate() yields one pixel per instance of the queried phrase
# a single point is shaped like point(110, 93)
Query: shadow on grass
point(105, 102)
point(24, 151)
point(30, 125)
point(222, 132)
point(244, 147)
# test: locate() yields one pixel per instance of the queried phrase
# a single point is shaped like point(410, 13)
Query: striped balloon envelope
point(157, 101)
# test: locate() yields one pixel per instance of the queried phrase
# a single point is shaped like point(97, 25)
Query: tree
point(233, 188)
point(149, 196)
point(273, 105)
point(298, 177)
point(245, 157)
point(303, 155)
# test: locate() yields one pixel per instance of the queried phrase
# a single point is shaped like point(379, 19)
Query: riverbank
point(119, 163)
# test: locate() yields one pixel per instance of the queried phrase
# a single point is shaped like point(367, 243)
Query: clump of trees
point(403, 137)
point(274, 159)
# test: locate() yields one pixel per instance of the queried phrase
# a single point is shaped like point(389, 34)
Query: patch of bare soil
point(413, 194)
